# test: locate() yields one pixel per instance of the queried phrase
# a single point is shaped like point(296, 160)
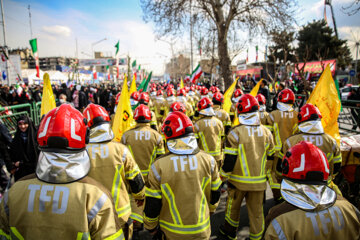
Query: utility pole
point(128, 63)
point(31, 33)
point(191, 37)
point(328, 2)
point(5, 45)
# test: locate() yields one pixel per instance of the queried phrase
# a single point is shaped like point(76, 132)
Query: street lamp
point(94, 43)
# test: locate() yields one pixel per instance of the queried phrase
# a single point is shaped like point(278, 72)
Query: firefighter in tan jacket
point(209, 131)
point(181, 97)
point(60, 201)
point(113, 165)
point(264, 115)
point(183, 185)
point(246, 150)
point(144, 98)
point(169, 100)
point(283, 121)
point(221, 114)
point(159, 106)
point(146, 145)
point(311, 130)
point(237, 94)
point(311, 209)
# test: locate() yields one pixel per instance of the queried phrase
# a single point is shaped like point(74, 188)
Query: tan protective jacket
point(222, 115)
point(33, 209)
point(265, 120)
point(340, 221)
point(283, 123)
point(145, 144)
point(183, 183)
point(113, 166)
point(159, 108)
point(324, 141)
point(250, 145)
point(209, 131)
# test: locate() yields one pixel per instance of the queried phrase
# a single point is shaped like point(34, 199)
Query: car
point(345, 91)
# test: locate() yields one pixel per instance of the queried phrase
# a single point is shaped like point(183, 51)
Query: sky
point(58, 25)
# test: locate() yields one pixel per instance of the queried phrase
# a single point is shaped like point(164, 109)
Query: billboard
point(252, 71)
point(101, 62)
point(317, 66)
point(14, 69)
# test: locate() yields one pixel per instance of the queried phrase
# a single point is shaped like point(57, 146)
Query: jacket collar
point(251, 119)
point(307, 197)
point(207, 112)
point(314, 127)
point(185, 145)
point(62, 167)
point(101, 133)
point(285, 107)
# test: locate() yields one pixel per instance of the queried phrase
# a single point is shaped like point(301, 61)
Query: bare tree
point(352, 9)
point(254, 16)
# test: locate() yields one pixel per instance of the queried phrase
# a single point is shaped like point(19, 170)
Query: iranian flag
point(196, 74)
point(117, 46)
point(108, 72)
point(257, 53)
point(34, 48)
point(94, 73)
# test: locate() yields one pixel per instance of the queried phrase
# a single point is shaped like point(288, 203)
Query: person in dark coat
point(24, 150)
point(5, 141)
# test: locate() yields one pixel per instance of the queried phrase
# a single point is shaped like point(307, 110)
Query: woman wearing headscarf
point(24, 148)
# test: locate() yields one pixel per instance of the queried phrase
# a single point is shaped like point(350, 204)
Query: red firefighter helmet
point(170, 92)
point(153, 89)
point(214, 89)
point(187, 89)
point(286, 96)
point(247, 103)
point(192, 88)
point(211, 88)
point(204, 103)
point(63, 129)
point(218, 98)
point(144, 98)
point(178, 106)
point(261, 99)
point(95, 115)
point(117, 99)
point(204, 91)
point(135, 96)
point(176, 125)
point(182, 92)
point(305, 162)
point(159, 93)
point(142, 114)
point(238, 93)
point(309, 112)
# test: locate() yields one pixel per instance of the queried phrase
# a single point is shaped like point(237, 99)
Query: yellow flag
point(255, 90)
point(123, 119)
point(227, 96)
point(325, 97)
point(133, 85)
point(181, 83)
point(48, 99)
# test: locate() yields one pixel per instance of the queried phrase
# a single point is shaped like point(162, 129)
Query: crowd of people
point(167, 174)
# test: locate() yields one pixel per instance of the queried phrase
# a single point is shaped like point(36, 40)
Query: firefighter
point(145, 99)
point(311, 130)
point(209, 130)
point(237, 94)
point(60, 201)
point(246, 149)
point(183, 185)
point(192, 96)
point(117, 99)
point(178, 106)
point(146, 145)
point(221, 114)
point(283, 121)
point(134, 99)
point(113, 165)
point(311, 209)
point(264, 115)
point(159, 106)
point(170, 99)
point(204, 92)
point(181, 97)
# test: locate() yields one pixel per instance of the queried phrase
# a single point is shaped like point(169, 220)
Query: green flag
point(133, 64)
point(117, 46)
point(145, 83)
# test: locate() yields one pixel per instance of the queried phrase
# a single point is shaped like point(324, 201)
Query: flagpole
point(31, 33)
point(5, 45)
point(191, 43)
